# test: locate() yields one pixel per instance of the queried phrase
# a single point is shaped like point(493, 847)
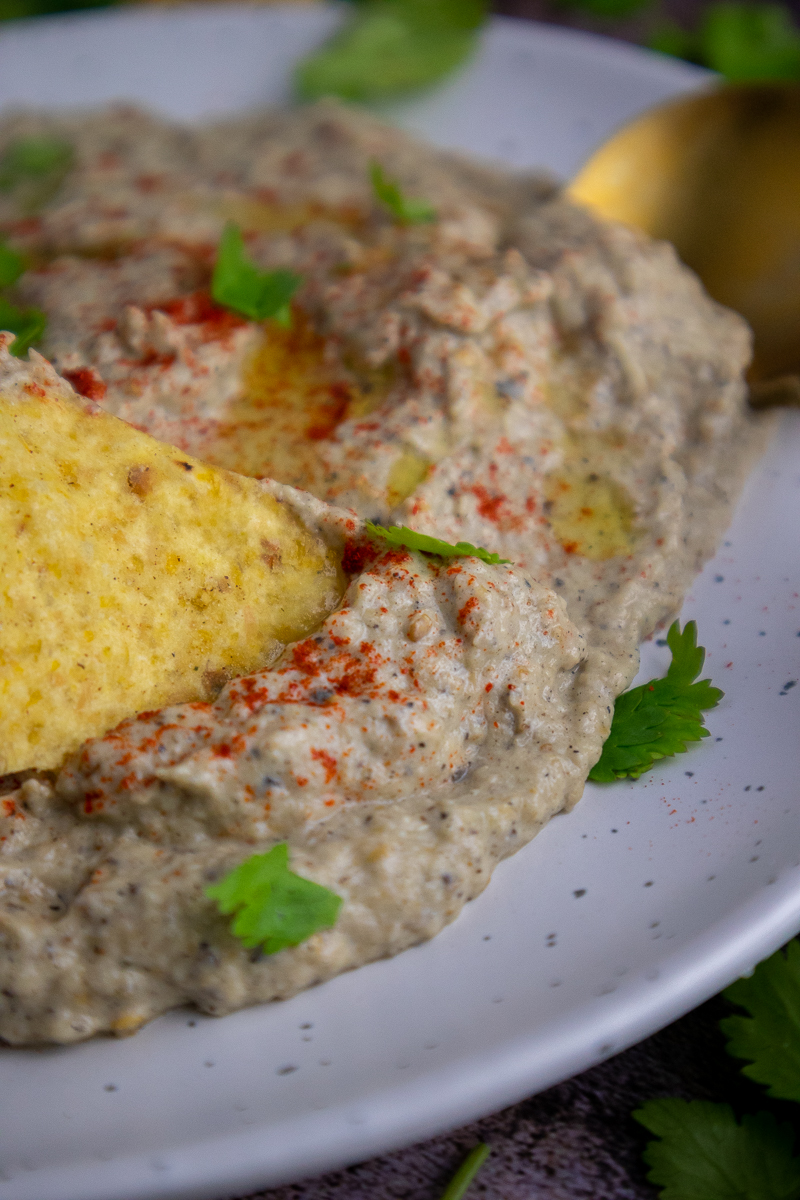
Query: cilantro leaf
point(657, 719)
point(11, 266)
point(705, 1155)
point(237, 282)
point(670, 38)
point(33, 156)
point(27, 323)
point(388, 193)
point(743, 41)
point(751, 41)
point(274, 907)
point(770, 1036)
point(35, 168)
point(391, 46)
point(399, 535)
point(465, 1174)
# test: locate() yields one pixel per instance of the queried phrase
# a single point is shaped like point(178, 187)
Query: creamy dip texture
point(514, 374)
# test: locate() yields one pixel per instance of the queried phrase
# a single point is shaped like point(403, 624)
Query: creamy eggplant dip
point(514, 374)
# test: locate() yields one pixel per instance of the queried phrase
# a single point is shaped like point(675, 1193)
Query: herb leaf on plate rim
point(770, 1035)
point(705, 1154)
point(388, 47)
point(656, 720)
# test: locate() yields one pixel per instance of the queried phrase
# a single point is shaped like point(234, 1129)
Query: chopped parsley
point(392, 46)
point(657, 719)
point(29, 161)
point(399, 535)
point(34, 169)
point(11, 266)
point(33, 156)
point(770, 1036)
point(237, 282)
point(27, 323)
point(705, 1154)
point(404, 210)
point(465, 1174)
point(743, 41)
point(274, 907)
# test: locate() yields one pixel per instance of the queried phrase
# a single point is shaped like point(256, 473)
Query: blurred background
point(675, 26)
point(742, 40)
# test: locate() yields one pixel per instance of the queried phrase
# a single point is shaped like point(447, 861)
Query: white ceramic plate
point(641, 903)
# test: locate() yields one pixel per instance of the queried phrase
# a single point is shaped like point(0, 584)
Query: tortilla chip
point(131, 575)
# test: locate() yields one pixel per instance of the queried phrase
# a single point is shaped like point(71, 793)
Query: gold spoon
point(718, 175)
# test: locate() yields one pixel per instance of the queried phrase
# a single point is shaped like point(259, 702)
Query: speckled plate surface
point(645, 900)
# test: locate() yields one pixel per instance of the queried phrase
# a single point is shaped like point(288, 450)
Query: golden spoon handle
point(718, 175)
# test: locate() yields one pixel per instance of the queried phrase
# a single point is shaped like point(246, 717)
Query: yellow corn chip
point(131, 575)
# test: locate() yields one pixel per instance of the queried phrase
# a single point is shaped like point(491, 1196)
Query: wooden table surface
point(576, 1141)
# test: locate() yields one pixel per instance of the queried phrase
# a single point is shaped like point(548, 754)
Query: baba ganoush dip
point(515, 374)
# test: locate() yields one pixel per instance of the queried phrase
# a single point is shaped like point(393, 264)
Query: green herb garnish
point(11, 266)
point(751, 41)
point(465, 1174)
point(657, 719)
point(388, 193)
point(27, 323)
point(392, 46)
point(274, 907)
point(237, 282)
point(770, 1036)
point(742, 41)
point(33, 156)
point(704, 1154)
point(673, 39)
point(34, 169)
point(399, 535)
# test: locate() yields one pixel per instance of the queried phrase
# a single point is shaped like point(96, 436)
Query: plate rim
point(691, 982)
